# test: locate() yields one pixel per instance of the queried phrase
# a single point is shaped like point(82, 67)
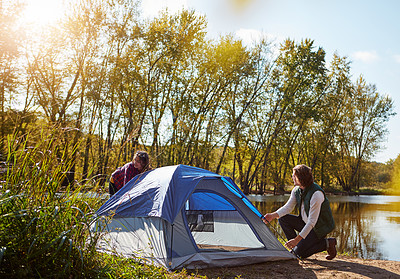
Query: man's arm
point(286, 209)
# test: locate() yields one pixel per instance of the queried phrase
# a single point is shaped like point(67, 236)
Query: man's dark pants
point(307, 246)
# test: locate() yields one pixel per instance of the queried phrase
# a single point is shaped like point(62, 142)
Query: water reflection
point(366, 226)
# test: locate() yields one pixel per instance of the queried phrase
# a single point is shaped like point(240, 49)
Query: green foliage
point(395, 177)
point(114, 82)
point(116, 267)
point(43, 226)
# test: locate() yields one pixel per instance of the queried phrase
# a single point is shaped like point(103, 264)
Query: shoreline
point(367, 192)
point(315, 266)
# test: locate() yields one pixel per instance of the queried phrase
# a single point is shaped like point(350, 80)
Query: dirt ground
point(314, 267)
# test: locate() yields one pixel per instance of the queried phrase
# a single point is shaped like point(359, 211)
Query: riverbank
point(314, 267)
point(333, 191)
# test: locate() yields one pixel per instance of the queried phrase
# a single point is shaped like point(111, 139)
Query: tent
point(182, 216)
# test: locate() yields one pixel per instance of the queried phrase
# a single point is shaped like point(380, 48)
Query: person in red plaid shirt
point(122, 175)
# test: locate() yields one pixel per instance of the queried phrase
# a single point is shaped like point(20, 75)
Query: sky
point(365, 31)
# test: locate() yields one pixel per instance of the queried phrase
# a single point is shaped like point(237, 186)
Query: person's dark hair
point(304, 175)
point(144, 159)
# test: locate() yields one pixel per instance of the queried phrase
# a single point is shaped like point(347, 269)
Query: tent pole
point(170, 248)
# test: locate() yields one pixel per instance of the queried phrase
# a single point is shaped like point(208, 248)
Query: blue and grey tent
point(181, 216)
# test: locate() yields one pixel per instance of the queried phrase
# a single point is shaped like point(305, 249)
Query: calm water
point(366, 226)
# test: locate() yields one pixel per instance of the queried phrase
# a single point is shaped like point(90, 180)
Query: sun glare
point(42, 12)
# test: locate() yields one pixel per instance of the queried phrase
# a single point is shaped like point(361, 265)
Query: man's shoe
point(331, 248)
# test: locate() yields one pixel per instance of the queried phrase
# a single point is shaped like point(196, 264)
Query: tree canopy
point(109, 82)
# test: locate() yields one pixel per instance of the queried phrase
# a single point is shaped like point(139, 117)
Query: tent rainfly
point(182, 216)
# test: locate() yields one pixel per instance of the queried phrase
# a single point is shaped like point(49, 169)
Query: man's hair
point(304, 175)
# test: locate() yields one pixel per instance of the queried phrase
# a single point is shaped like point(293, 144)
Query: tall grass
point(43, 225)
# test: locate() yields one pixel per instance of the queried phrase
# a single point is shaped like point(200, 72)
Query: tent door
point(216, 224)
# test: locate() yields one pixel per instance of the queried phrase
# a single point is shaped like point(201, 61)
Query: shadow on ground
point(279, 269)
point(314, 267)
point(359, 270)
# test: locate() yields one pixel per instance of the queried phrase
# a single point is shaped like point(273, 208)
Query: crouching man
point(314, 222)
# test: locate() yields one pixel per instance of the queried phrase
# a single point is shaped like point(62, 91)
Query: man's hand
point(293, 242)
point(269, 217)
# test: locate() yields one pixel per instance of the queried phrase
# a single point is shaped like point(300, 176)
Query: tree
point(318, 142)
point(296, 90)
point(113, 83)
point(61, 69)
point(173, 44)
point(362, 132)
point(10, 47)
point(395, 176)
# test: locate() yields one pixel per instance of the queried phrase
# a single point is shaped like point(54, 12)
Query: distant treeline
point(105, 82)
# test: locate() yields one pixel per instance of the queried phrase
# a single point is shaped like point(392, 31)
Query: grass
point(116, 267)
point(44, 226)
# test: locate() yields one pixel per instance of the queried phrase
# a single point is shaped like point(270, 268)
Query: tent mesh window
point(200, 220)
point(217, 225)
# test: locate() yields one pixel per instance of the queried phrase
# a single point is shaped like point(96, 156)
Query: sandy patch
point(314, 267)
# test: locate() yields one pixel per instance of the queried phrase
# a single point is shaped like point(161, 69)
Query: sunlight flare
point(42, 12)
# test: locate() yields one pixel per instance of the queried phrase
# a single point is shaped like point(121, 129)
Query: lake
point(367, 227)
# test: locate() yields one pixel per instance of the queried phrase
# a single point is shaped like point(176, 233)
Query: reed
point(44, 225)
